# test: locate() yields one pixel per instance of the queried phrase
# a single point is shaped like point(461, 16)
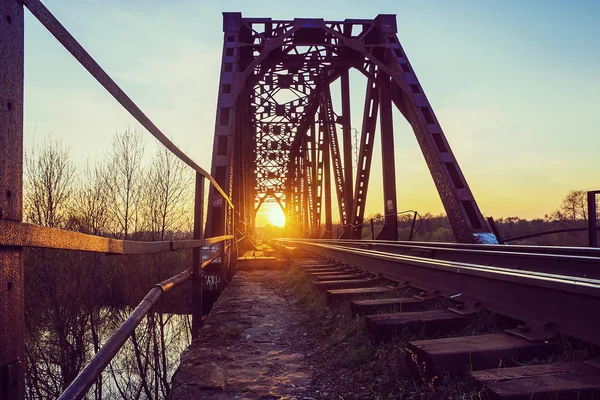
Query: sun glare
point(276, 217)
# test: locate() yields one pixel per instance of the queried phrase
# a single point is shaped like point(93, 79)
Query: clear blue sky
point(515, 85)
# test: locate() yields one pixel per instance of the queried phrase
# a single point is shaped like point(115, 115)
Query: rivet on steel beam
point(523, 328)
point(424, 293)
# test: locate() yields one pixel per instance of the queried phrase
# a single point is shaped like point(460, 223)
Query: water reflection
point(142, 369)
point(75, 301)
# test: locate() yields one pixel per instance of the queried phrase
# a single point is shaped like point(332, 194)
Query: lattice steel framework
point(276, 134)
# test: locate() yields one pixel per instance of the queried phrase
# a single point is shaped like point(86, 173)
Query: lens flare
point(276, 217)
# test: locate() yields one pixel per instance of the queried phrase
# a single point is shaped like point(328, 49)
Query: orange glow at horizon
point(276, 217)
point(270, 214)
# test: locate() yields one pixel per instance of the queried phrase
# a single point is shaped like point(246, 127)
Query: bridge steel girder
point(274, 74)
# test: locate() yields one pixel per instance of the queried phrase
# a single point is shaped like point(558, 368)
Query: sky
point(514, 84)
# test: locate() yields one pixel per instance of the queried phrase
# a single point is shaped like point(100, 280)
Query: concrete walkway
point(243, 350)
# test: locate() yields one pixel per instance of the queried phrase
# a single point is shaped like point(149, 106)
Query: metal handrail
point(29, 235)
point(543, 233)
point(92, 371)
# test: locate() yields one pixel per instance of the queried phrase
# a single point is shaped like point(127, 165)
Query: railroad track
point(548, 293)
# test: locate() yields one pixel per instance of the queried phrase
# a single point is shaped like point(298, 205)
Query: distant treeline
point(571, 213)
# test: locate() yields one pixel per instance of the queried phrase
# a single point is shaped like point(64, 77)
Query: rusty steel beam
point(197, 275)
point(317, 183)
point(305, 199)
point(12, 291)
point(365, 156)
point(327, 233)
point(327, 121)
point(347, 141)
point(388, 165)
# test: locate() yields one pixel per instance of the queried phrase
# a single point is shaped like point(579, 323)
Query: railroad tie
point(459, 355)
point(386, 326)
point(347, 284)
point(563, 380)
point(324, 270)
point(340, 277)
point(340, 295)
point(374, 306)
point(308, 266)
point(326, 273)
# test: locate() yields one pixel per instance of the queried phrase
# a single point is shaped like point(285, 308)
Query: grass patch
point(347, 365)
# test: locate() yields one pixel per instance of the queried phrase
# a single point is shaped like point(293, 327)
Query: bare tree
point(573, 207)
point(49, 178)
point(124, 181)
point(91, 202)
point(167, 195)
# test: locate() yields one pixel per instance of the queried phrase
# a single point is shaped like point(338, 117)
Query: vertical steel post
point(224, 259)
point(347, 135)
point(372, 230)
point(197, 274)
point(365, 152)
point(314, 167)
point(327, 182)
point(495, 230)
point(592, 216)
point(224, 147)
point(306, 219)
point(412, 227)
point(12, 294)
point(390, 228)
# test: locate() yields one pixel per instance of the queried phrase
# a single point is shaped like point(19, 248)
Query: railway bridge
point(279, 138)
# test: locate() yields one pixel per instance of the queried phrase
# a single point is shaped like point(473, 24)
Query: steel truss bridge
point(276, 131)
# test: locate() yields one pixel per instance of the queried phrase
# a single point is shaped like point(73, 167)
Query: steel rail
point(29, 235)
point(558, 250)
point(568, 304)
point(574, 265)
point(72, 46)
point(92, 371)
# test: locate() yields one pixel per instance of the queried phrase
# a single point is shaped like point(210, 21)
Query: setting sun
point(276, 217)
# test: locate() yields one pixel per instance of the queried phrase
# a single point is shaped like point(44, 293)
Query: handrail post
point(223, 244)
point(412, 227)
point(592, 215)
point(12, 291)
point(197, 273)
